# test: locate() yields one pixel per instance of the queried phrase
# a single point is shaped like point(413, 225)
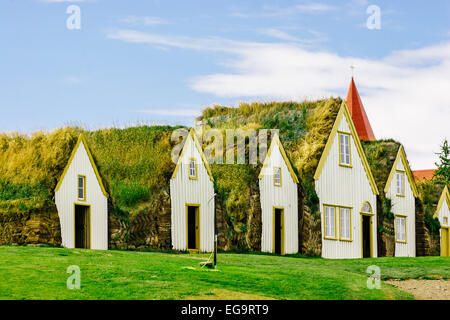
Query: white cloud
point(405, 94)
point(147, 21)
point(271, 10)
point(283, 35)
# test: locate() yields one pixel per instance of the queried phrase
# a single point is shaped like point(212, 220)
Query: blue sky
point(164, 61)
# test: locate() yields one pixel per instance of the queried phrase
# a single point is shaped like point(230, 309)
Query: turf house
point(279, 202)
point(82, 202)
point(396, 202)
point(192, 199)
point(443, 214)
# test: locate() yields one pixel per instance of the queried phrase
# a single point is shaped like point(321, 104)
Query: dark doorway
point(366, 236)
point(82, 227)
point(193, 242)
point(278, 231)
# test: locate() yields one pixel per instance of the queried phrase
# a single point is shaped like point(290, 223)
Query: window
point(445, 220)
point(344, 149)
point(81, 187)
point(400, 229)
point(345, 224)
point(367, 208)
point(330, 222)
point(192, 169)
point(277, 176)
point(400, 183)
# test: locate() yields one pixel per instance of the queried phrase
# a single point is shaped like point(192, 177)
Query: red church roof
point(423, 174)
point(358, 113)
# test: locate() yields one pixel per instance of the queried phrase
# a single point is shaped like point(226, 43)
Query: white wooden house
point(192, 199)
point(347, 193)
point(401, 189)
point(443, 215)
point(82, 202)
point(279, 202)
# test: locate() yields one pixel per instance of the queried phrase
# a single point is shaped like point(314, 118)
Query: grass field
point(40, 273)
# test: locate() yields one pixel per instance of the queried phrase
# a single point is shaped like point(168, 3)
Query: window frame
point(325, 223)
point(84, 187)
point(350, 239)
point(189, 169)
point(445, 221)
point(340, 134)
point(399, 216)
point(274, 180)
point(403, 174)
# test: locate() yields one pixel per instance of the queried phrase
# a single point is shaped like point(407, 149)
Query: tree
point(442, 174)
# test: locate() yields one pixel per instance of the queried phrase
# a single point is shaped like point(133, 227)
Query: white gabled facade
point(443, 215)
point(401, 189)
point(188, 191)
point(81, 165)
point(282, 195)
point(346, 190)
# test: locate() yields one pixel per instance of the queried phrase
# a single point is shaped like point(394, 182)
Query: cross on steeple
point(353, 68)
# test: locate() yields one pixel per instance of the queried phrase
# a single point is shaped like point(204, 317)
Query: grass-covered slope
point(40, 273)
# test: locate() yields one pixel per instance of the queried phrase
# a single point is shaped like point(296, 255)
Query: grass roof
point(381, 155)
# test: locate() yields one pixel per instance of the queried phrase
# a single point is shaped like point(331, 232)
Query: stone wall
point(31, 228)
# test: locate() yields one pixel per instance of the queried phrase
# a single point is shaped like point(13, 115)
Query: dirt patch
point(424, 289)
point(224, 294)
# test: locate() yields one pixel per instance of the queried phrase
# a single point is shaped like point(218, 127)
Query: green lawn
point(40, 273)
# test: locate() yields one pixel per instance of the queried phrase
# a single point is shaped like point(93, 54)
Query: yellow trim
point(445, 196)
point(445, 223)
point(344, 112)
point(401, 155)
point(196, 172)
point(84, 187)
point(365, 212)
point(448, 242)
point(282, 230)
point(99, 179)
point(283, 154)
point(406, 234)
point(281, 181)
point(325, 222)
point(197, 230)
point(351, 236)
point(75, 225)
point(349, 149)
point(200, 150)
point(371, 233)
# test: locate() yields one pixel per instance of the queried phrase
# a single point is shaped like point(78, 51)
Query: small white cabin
point(279, 202)
point(401, 189)
point(192, 200)
point(347, 193)
point(82, 202)
point(443, 215)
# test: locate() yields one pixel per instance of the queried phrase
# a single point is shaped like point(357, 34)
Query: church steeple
point(358, 113)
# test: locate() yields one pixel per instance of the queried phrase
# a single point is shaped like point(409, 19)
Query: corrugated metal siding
point(279, 196)
point(66, 197)
point(404, 206)
point(348, 187)
point(186, 191)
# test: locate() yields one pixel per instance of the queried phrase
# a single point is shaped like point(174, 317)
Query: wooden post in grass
point(215, 250)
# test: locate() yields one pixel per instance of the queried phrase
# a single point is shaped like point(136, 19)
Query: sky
point(162, 62)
